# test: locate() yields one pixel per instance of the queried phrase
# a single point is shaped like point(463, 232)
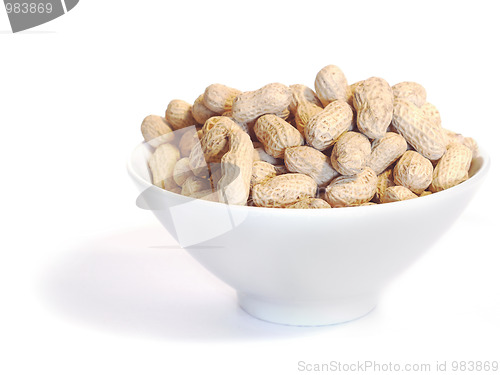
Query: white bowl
point(305, 267)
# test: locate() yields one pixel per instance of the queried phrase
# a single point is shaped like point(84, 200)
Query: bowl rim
point(477, 177)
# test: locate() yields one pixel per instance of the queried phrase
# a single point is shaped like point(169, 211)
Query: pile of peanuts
point(284, 146)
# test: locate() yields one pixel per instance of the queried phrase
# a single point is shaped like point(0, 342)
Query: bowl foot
point(309, 313)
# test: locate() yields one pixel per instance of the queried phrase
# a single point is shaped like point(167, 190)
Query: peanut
point(305, 111)
point(162, 164)
point(178, 114)
point(247, 127)
point(219, 98)
point(311, 162)
point(452, 169)
point(261, 172)
point(182, 171)
point(423, 135)
point(413, 171)
point(200, 111)
point(270, 99)
point(373, 100)
point(194, 184)
point(156, 131)
point(385, 151)
point(284, 190)
point(302, 94)
point(310, 203)
point(324, 128)
point(234, 185)
point(366, 144)
point(331, 84)
point(190, 137)
point(276, 135)
point(410, 91)
point(453, 137)
point(227, 143)
point(350, 153)
point(432, 113)
point(350, 93)
point(396, 194)
point(384, 180)
point(354, 190)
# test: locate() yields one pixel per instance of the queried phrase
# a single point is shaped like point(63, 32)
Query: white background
point(91, 284)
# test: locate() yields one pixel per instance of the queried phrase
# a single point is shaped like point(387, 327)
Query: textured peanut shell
point(385, 151)
point(452, 169)
point(432, 113)
point(373, 100)
point(397, 194)
point(161, 165)
point(305, 111)
point(226, 138)
point(273, 98)
point(423, 135)
point(413, 171)
point(350, 93)
point(219, 98)
point(224, 141)
point(350, 153)
point(311, 162)
point(188, 140)
point(182, 171)
point(284, 190)
point(310, 203)
point(410, 91)
point(384, 180)
point(200, 111)
point(324, 128)
point(213, 145)
point(302, 94)
point(469, 142)
point(354, 190)
point(194, 184)
point(262, 172)
point(178, 114)
point(331, 84)
point(276, 135)
point(234, 185)
point(156, 130)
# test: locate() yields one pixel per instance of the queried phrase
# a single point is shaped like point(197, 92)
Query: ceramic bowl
point(305, 267)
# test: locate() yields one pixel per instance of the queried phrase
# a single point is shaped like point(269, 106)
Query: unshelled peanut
point(331, 84)
point(373, 100)
point(311, 162)
point(350, 153)
point(156, 130)
point(338, 145)
point(324, 128)
point(284, 190)
point(452, 169)
point(276, 135)
point(270, 99)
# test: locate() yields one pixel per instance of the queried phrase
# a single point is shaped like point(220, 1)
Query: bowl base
point(309, 313)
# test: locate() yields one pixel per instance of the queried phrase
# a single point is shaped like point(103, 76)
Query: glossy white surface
point(305, 267)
